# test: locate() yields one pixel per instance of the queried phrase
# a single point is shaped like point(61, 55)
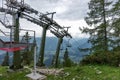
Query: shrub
point(109, 58)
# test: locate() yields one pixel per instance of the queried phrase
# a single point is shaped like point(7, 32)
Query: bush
point(109, 58)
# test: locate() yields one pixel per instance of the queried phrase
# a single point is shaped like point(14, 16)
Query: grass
point(17, 75)
point(87, 72)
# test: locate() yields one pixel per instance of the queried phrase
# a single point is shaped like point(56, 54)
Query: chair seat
point(13, 49)
point(13, 46)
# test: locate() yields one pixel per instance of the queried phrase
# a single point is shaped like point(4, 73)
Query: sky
point(68, 13)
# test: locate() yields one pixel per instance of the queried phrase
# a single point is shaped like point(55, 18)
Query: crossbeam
point(41, 18)
point(38, 22)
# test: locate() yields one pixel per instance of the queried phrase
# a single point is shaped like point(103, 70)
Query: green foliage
point(17, 63)
point(17, 75)
point(6, 60)
point(26, 58)
point(88, 72)
point(116, 24)
point(105, 33)
point(97, 19)
point(27, 55)
point(67, 61)
point(53, 60)
point(109, 58)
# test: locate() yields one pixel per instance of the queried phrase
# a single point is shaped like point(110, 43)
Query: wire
point(77, 44)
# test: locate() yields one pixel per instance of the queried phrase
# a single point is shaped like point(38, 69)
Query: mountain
point(73, 46)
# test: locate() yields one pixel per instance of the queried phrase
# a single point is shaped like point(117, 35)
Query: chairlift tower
point(42, 48)
point(60, 40)
point(60, 35)
point(41, 19)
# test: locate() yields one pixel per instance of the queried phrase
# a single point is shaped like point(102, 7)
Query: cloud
point(77, 9)
point(74, 24)
point(68, 13)
point(65, 9)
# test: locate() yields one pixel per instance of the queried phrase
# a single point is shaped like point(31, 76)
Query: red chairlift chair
point(12, 46)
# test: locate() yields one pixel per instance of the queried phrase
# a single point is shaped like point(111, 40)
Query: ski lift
point(68, 43)
point(26, 38)
point(12, 46)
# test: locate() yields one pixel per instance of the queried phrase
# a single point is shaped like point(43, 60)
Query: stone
point(36, 76)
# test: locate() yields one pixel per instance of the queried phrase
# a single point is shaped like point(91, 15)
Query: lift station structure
point(19, 9)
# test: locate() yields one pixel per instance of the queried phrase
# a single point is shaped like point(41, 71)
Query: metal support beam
point(42, 46)
point(16, 56)
point(41, 20)
point(34, 75)
point(16, 29)
point(57, 51)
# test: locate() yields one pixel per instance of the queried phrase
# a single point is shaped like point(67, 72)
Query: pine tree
point(67, 62)
point(116, 25)
point(97, 19)
point(27, 53)
point(53, 60)
point(6, 60)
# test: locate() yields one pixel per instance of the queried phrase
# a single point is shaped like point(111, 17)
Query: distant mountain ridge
point(50, 48)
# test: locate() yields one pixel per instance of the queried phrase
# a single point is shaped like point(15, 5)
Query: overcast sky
point(68, 13)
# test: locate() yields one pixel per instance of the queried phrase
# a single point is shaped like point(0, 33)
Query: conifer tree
point(116, 25)
point(67, 61)
point(53, 60)
point(6, 60)
point(27, 53)
point(97, 19)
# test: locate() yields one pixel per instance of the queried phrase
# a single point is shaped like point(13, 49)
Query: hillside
point(50, 48)
point(87, 72)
